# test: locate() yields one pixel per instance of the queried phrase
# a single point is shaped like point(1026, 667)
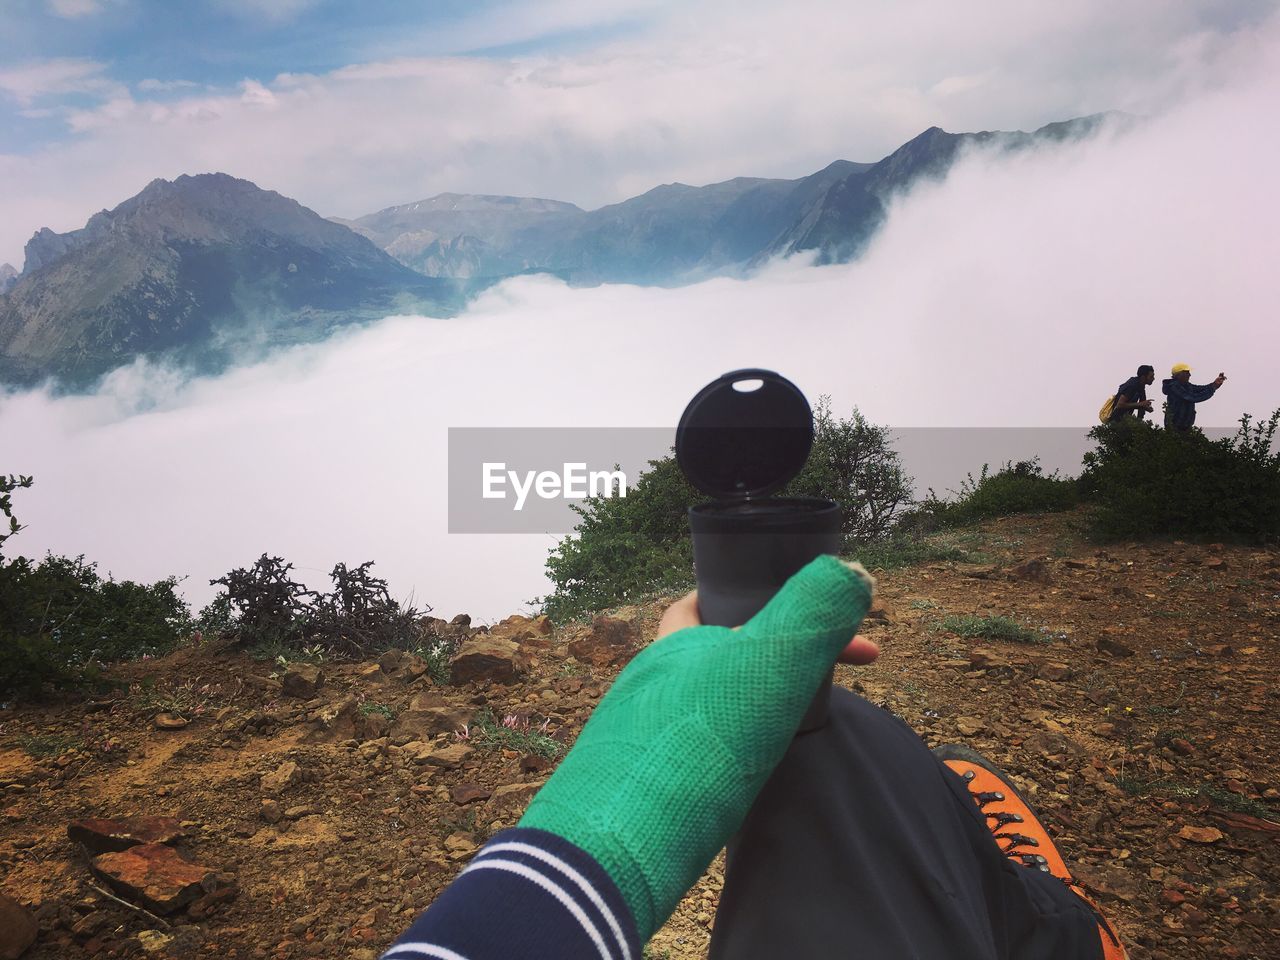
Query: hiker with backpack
point(853, 840)
point(1130, 398)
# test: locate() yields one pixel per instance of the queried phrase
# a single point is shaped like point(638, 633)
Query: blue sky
point(219, 42)
point(351, 107)
point(162, 50)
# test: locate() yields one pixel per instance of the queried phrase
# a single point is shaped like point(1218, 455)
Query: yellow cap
point(1180, 368)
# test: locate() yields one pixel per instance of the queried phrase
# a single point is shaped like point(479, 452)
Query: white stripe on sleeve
point(557, 891)
point(421, 950)
point(582, 883)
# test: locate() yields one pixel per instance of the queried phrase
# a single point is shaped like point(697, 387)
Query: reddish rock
point(1201, 834)
point(393, 660)
point(465, 793)
point(105, 836)
point(429, 714)
point(90, 924)
point(1051, 744)
point(450, 757)
point(969, 726)
point(1114, 647)
point(532, 763)
point(18, 928)
point(271, 811)
point(170, 721)
point(523, 630)
point(1053, 671)
point(457, 628)
point(508, 802)
point(282, 778)
point(992, 662)
point(301, 681)
point(399, 665)
point(609, 642)
point(225, 890)
point(154, 875)
point(460, 846)
point(487, 658)
point(1032, 571)
point(371, 724)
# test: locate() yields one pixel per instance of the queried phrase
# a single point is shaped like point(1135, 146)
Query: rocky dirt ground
point(1136, 709)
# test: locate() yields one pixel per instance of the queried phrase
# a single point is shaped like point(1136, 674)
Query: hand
point(1222, 378)
point(1146, 405)
point(684, 613)
point(674, 755)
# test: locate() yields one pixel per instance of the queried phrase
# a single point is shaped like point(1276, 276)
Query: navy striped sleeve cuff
point(527, 895)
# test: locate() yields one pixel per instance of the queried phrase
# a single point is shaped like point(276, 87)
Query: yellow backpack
point(1107, 409)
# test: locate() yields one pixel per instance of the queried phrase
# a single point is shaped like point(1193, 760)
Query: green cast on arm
point(671, 760)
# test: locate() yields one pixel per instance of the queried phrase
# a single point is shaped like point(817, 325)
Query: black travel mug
point(740, 439)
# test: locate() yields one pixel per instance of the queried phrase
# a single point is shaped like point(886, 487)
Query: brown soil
point(1155, 769)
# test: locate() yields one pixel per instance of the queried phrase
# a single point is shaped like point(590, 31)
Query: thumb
point(816, 611)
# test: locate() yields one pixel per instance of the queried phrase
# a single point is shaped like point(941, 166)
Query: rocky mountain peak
point(8, 276)
point(202, 208)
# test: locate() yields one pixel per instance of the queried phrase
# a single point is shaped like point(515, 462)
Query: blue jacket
point(1180, 411)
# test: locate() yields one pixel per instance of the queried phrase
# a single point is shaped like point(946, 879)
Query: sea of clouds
point(1017, 293)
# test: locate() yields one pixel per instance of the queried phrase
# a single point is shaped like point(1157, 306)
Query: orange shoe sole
point(1017, 829)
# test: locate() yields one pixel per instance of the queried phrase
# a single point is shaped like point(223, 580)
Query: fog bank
point(1018, 293)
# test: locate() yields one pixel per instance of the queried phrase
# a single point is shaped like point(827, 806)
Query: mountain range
point(208, 269)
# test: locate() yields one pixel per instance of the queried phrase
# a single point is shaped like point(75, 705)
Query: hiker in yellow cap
point(1180, 410)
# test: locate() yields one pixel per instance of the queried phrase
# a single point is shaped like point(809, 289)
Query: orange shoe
point(1018, 831)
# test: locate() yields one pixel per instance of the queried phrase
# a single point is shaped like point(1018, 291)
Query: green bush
point(59, 618)
point(1016, 488)
point(1162, 483)
point(626, 549)
point(9, 526)
point(853, 462)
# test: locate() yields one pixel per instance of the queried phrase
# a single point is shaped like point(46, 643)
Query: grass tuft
point(989, 628)
point(514, 731)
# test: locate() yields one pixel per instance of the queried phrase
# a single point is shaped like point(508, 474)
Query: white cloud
point(708, 91)
point(36, 80)
point(1018, 293)
point(152, 85)
point(75, 9)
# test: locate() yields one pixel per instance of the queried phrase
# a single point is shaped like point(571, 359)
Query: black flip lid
point(738, 444)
